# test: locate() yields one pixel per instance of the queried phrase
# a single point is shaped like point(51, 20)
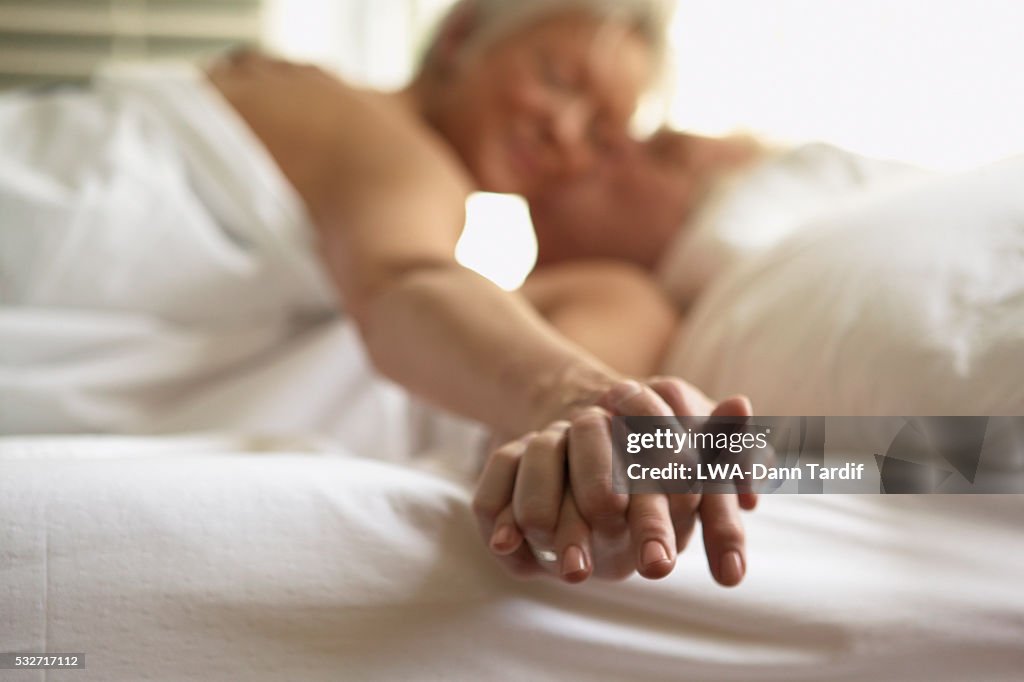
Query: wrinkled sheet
point(180, 558)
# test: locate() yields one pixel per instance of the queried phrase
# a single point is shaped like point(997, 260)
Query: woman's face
point(540, 104)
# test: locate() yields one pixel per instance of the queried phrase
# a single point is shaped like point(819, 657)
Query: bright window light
point(498, 241)
point(306, 30)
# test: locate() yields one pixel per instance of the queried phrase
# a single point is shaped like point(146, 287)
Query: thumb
point(685, 399)
point(630, 398)
point(736, 406)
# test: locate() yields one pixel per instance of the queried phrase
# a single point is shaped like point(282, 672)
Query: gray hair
point(496, 18)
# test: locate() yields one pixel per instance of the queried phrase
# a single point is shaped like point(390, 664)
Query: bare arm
point(441, 330)
point(388, 201)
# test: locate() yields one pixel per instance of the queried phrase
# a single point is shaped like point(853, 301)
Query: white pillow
point(750, 212)
point(908, 304)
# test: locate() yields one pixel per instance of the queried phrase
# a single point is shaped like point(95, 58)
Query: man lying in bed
point(636, 215)
point(603, 234)
point(639, 206)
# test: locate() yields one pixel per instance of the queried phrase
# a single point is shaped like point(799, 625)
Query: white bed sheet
point(179, 559)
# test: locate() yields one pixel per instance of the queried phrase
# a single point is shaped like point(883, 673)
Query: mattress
point(221, 558)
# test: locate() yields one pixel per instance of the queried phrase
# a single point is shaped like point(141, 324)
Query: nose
point(568, 134)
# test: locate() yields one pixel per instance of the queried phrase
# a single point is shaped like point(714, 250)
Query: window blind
point(64, 40)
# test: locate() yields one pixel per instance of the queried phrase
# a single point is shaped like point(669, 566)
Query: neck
point(421, 100)
point(415, 99)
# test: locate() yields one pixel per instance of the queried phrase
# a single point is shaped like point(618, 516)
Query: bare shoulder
point(336, 143)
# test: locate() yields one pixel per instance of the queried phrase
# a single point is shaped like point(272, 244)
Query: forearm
point(454, 338)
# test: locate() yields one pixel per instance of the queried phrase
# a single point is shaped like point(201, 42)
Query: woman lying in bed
point(514, 96)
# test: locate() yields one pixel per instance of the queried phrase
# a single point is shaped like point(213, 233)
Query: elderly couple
point(532, 97)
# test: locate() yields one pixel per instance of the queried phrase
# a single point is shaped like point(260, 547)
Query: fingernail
point(623, 391)
point(732, 568)
point(573, 561)
point(501, 537)
point(653, 553)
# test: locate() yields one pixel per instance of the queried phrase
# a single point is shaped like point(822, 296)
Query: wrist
point(576, 386)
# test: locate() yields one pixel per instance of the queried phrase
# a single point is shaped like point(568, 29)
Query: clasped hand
point(545, 502)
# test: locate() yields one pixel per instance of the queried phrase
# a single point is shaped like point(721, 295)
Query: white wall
point(938, 82)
